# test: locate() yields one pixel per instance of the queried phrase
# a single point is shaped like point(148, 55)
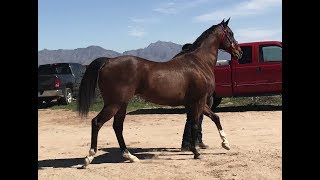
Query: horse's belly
point(169, 97)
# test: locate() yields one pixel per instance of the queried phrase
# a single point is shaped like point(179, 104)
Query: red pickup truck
point(257, 73)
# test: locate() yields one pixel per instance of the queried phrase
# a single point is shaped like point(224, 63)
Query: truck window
point(246, 56)
point(54, 69)
point(270, 53)
point(75, 69)
point(63, 70)
point(223, 55)
point(83, 69)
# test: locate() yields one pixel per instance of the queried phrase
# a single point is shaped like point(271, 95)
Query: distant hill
point(79, 55)
point(159, 51)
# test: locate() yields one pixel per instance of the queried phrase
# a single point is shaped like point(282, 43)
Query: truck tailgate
point(46, 82)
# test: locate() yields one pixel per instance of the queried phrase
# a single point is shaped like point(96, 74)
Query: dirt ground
point(255, 138)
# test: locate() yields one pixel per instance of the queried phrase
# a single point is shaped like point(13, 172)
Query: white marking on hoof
point(91, 152)
point(131, 157)
point(225, 143)
point(222, 134)
point(88, 159)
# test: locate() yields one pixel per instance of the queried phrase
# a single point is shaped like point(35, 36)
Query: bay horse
point(187, 79)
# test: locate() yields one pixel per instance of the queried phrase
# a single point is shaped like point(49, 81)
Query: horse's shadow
point(112, 155)
point(181, 110)
point(249, 108)
point(160, 110)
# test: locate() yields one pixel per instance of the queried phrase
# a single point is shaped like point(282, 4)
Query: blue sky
point(126, 25)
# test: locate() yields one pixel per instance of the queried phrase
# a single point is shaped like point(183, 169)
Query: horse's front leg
point(215, 118)
point(196, 110)
point(194, 134)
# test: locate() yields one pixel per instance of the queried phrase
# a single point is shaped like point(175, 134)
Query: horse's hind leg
point(118, 129)
point(105, 114)
point(215, 118)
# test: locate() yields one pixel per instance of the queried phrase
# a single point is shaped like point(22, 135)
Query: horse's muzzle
point(237, 54)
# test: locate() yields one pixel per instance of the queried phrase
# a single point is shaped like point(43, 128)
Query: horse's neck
point(207, 55)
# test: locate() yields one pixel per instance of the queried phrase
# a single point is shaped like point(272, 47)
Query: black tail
point(88, 86)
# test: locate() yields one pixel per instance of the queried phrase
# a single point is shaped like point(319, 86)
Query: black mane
point(191, 47)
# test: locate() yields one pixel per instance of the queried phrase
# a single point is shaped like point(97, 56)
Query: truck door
point(245, 70)
point(270, 68)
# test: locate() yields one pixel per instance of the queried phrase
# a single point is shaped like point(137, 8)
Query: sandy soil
point(255, 138)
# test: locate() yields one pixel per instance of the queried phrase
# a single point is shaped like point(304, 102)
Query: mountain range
point(159, 51)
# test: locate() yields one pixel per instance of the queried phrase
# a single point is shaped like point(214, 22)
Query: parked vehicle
point(257, 73)
point(59, 81)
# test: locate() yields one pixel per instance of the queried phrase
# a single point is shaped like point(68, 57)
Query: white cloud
point(251, 7)
point(138, 20)
point(144, 20)
point(257, 34)
point(177, 6)
point(168, 10)
point(136, 31)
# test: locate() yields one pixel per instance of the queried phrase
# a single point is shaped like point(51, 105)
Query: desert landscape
point(155, 138)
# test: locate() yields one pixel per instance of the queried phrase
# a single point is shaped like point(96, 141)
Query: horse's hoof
point(87, 160)
point(225, 146)
point(134, 160)
point(131, 157)
point(196, 156)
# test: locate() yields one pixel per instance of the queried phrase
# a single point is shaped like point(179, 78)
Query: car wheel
point(216, 102)
point(67, 98)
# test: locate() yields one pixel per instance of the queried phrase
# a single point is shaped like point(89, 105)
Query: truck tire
point(67, 98)
point(210, 101)
point(216, 102)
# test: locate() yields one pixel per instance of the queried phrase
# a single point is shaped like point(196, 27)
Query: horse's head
point(227, 41)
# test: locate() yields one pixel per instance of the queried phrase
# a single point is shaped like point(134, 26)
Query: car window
point(223, 55)
point(83, 69)
point(63, 70)
point(75, 69)
point(246, 56)
point(270, 53)
point(46, 70)
point(54, 69)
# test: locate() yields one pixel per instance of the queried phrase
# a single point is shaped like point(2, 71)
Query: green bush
point(138, 103)
point(134, 104)
point(275, 100)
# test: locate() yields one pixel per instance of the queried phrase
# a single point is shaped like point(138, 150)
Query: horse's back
point(121, 76)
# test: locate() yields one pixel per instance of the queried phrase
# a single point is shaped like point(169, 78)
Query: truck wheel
point(67, 98)
point(210, 101)
point(216, 102)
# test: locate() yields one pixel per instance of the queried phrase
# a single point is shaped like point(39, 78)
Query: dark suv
point(59, 81)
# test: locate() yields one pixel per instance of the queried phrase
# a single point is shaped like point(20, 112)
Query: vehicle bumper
point(51, 93)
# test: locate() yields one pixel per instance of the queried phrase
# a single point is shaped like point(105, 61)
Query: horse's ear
point(226, 23)
point(222, 22)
